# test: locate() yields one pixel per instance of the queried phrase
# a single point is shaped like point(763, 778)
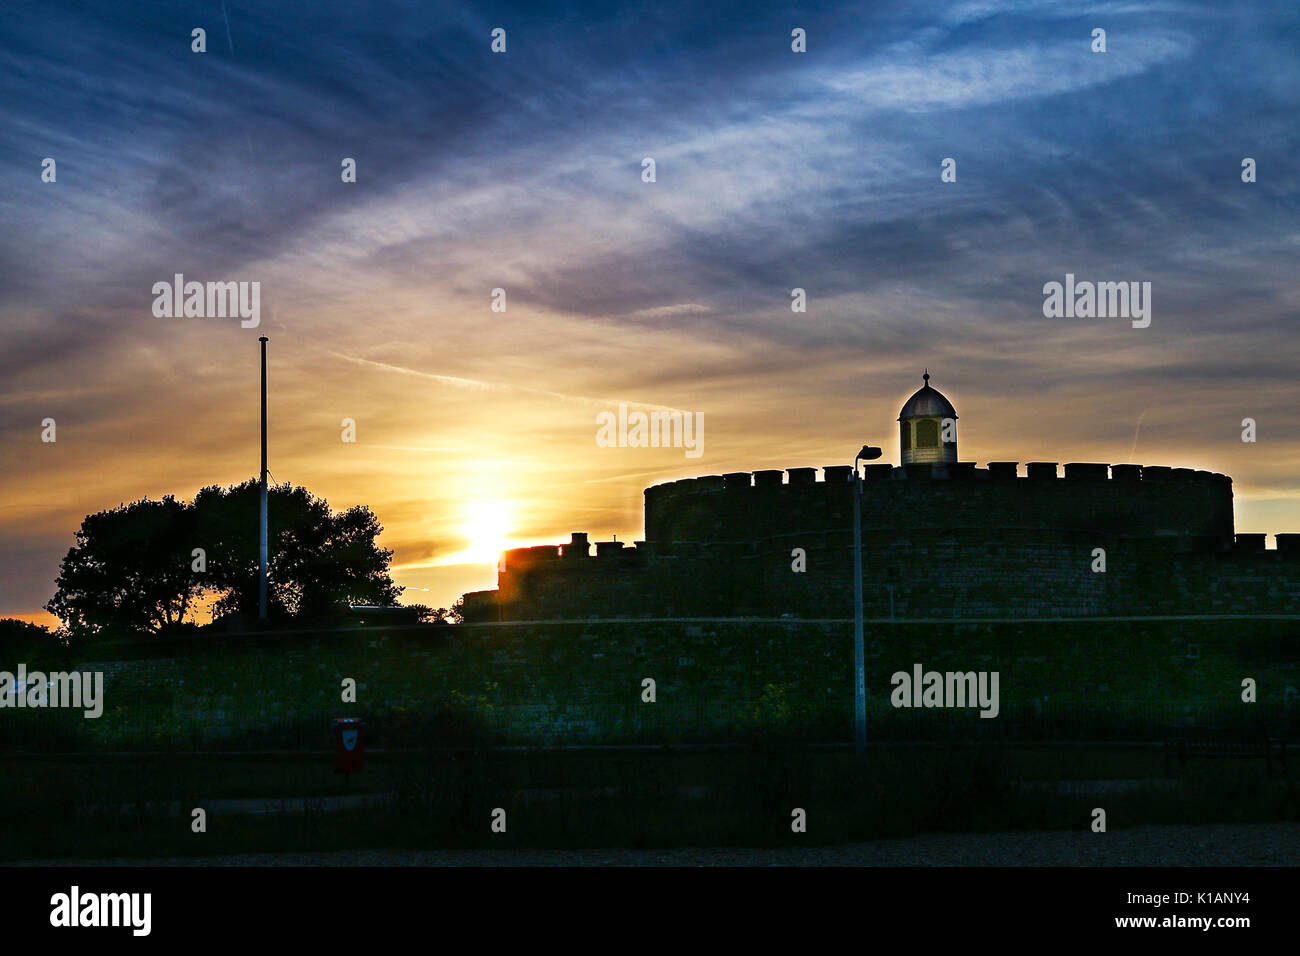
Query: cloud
point(910, 79)
point(522, 171)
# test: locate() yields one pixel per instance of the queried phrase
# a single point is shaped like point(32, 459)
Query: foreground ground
point(1275, 844)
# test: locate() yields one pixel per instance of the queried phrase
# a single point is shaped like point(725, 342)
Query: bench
point(1185, 745)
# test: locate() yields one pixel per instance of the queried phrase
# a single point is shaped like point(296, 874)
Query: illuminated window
point(927, 433)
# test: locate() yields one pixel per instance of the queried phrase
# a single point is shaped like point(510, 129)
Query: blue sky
point(522, 171)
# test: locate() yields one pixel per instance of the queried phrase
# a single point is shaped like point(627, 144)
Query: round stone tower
point(928, 427)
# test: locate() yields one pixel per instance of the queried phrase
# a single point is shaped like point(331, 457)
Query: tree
point(30, 644)
point(129, 570)
point(133, 568)
point(430, 615)
point(318, 560)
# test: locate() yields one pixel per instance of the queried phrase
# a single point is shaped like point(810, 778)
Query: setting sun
point(486, 524)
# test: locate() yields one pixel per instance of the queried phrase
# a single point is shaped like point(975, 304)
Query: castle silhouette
point(941, 538)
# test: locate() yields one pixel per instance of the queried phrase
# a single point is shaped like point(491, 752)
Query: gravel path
point(1275, 844)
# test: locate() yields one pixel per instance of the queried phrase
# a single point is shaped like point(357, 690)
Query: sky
point(523, 171)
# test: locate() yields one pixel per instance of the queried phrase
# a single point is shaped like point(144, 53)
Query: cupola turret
point(928, 427)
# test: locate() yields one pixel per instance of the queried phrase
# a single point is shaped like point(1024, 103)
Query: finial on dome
point(926, 377)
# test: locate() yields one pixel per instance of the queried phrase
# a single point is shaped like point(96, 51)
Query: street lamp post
point(868, 453)
point(261, 543)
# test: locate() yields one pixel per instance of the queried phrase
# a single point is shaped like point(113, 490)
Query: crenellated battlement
point(739, 481)
point(516, 560)
point(940, 537)
point(1127, 499)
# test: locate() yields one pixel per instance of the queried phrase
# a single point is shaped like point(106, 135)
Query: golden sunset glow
point(459, 468)
point(486, 525)
point(476, 426)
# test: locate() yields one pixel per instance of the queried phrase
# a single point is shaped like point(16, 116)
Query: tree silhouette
point(132, 568)
point(30, 643)
point(129, 570)
point(319, 560)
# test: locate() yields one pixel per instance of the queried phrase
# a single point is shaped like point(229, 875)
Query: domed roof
point(927, 402)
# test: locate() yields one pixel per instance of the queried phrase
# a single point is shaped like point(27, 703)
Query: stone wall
point(582, 682)
point(1136, 502)
point(954, 542)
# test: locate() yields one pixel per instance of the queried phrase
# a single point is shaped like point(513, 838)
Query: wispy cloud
point(776, 170)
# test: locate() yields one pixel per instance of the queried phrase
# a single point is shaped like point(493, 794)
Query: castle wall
point(1138, 502)
point(1018, 574)
point(967, 543)
point(559, 683)
point(924, 575)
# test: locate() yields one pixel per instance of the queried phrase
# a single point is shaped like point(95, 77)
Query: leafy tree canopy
point(31, 644)
point(134, 567)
